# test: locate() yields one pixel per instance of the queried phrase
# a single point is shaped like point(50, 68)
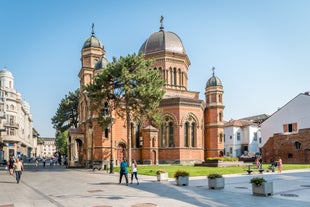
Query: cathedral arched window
point(186, 134)
point(193, 135)
point(190, 133)
point(167, 133)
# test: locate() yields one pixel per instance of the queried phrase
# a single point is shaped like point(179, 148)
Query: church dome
point(102, 63)
point(92, 41)
point(214, 81)
point(6, 73)
point(163, 41)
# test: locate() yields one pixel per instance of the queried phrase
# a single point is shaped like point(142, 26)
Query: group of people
point(275, 164)
point(15, 165)
point(124, 171)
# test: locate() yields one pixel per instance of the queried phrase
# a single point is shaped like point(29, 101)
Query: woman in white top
point(134, 171)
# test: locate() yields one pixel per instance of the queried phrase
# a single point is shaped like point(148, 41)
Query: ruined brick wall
point(292, 148)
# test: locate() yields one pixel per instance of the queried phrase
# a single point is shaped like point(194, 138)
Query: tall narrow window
point(171, 134)
point(174, 76)
point(162, 135)
point(190, 134)
point(238, 136)
point(193, 130)
point(167, 133)
point(186, 129)
point(221, 138)
point(137, 135)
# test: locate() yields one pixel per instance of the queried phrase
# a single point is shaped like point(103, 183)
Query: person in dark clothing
point(11, 165)
point(123, 171)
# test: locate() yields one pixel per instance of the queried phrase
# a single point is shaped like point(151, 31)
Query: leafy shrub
point(228, 159)
point(159, 171)
point(181, 173)
point(258, 180)
point(214, 175)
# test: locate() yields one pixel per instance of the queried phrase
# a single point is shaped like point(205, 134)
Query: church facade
point(192, 129)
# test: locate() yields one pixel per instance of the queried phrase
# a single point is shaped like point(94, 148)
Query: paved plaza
point(58, 186)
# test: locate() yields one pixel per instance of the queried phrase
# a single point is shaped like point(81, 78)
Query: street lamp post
point(111, 156)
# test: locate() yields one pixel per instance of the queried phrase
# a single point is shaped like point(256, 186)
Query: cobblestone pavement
point(58, 186)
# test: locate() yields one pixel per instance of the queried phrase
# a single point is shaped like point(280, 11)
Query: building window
point(137, 135)
point(171, 134)
point(255, 136)
point(238, 136)
point(190, 132)
point(289, 128)
point(297, 145)
point(221, 138)
point(193, 131)
point(106, 133)
point(174, 77)
point(167, 133)
point(186, 130)
point(220, 116)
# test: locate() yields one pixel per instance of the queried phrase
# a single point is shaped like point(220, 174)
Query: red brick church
point(192, 129)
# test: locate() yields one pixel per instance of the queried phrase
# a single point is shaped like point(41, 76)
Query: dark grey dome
point(214, 81)
point(163, 41)
point(92, 42)
point(102, 63)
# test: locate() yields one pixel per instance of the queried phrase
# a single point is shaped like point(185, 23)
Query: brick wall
point(287, 147)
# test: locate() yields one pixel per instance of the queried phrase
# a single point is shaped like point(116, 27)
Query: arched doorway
point(153, 157)
point(121, 152)
point(78, 156)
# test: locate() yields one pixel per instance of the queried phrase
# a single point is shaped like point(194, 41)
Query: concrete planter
point(182, 180)
point(216, 183)
point(264, 189)
point(162, 177)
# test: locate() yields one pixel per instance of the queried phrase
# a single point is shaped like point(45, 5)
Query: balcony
point(11, 125)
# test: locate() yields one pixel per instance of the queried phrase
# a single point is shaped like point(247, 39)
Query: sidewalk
point(80, 187)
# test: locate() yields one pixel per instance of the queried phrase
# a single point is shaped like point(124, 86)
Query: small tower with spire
point(214, 121)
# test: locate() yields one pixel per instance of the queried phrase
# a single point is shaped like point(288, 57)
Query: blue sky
point(260, 48)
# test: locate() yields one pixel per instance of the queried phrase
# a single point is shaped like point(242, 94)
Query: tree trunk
point(128, 137)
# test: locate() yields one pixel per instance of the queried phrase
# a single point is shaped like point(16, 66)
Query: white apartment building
point(48, 147)
point(15, 121)
point(241, 136)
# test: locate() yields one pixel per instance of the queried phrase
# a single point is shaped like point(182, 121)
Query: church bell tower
point(214, 122)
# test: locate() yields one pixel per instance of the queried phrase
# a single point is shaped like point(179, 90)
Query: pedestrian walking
point(44, 161)
point(11, 165)
point(134, 171)
point(36, 164)
point(280, 164)
point(123, 171)
point(18, 168)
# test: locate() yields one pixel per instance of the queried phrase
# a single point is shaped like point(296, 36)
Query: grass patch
point(204, 171)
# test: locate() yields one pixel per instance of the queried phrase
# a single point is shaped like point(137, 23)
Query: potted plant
point(181, 177)
point(162, 175)
point(261, 187)
point(216, 181)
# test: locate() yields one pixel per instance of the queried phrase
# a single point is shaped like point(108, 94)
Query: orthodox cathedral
point(192, 129)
